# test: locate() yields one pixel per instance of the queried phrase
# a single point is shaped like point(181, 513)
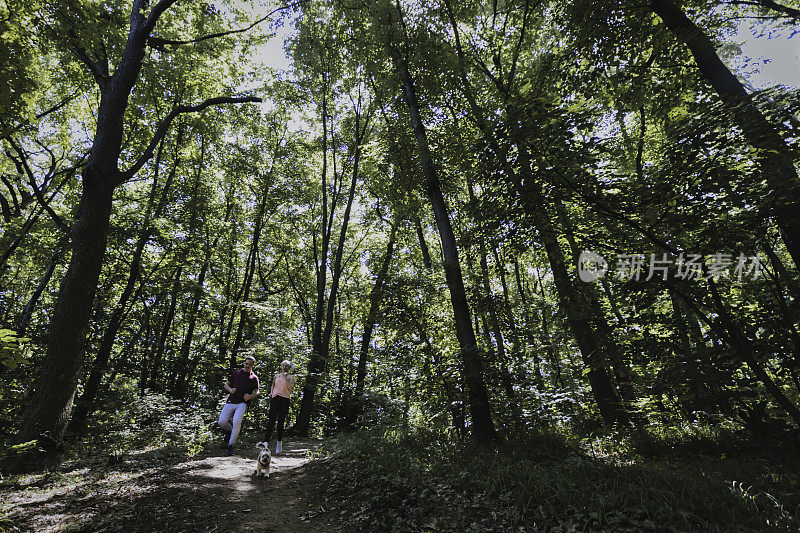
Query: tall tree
point(375, 297)
point(50, 404)
point(390, 19)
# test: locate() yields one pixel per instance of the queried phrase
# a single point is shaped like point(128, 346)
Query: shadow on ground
point(210, 492)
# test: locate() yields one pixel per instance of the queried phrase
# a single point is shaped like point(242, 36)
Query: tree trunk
point(85, 404)
point(455, 406)
point(570, 298)
point(502, 359)
point(23, 232)
point(499, 343)
point(51, 403)
point(249, 273)
point(423, 246)
point(27, 313)
point(155, 366)
point(775, 160)
point(375, 296)
point(594, 311)
point(483, 429)
point(555, 358)
point(695, 387)
point(183, 363)
point(315, 363)
point(602, 387)
point(320, 356)
point(745, 350)
point(516, 348)
point(544, 338)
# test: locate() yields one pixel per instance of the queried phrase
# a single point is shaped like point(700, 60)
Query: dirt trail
point(211, 492)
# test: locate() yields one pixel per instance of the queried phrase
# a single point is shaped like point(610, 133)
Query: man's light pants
point(236, 412)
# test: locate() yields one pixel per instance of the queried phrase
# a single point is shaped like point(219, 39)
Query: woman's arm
point(290, 382)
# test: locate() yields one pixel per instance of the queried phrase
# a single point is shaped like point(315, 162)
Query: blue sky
point(782, 56)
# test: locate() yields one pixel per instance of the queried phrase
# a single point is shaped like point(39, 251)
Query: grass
point(548, 481)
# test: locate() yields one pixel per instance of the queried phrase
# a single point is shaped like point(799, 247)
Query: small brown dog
point(264, 458)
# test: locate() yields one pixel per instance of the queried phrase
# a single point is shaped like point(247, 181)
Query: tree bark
point(85, 404)
point(516, 348)
point(249, 273)
point(602, 387)
point(745, 350)
point(455, 405)
point(502, 359)
point(183, 366)
point(544, 339)
point(315, 363)
point(23, 232)
point(51, 402)
point(483, 428)
point(570, 297)
point(423, 246)
point(169, 316)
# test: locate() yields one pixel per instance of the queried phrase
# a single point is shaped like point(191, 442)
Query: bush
point(126, 420)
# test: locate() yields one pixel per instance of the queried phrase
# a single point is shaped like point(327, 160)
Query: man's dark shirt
point(244, 382)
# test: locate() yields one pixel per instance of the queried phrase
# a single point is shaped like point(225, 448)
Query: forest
point(536, 265)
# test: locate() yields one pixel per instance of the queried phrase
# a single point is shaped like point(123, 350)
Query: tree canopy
point(478, 218)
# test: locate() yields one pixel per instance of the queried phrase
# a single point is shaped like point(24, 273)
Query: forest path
point(210, 492)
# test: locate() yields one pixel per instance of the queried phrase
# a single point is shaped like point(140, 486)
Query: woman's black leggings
point(278, 407)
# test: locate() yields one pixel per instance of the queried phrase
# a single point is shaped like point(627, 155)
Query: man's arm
point(255, 393)
point(227, 386)
point(248, 397)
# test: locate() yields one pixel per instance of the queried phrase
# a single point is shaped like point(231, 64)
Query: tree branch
point(7, 183)
point(265, 278)
point(162, 128)
point(518, 47)
point(58, 106)
point(22, 163)
point(769, 4)
point(155, 13)
point(158, 42)
point(94, 69)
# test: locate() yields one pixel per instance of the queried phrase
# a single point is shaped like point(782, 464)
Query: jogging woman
point(279, 395)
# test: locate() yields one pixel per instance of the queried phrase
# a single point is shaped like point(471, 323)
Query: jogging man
point(242, 386)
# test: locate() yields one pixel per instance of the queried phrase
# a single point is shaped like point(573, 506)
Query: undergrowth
point(125, 422)
point(423, 481)
point(145, 421)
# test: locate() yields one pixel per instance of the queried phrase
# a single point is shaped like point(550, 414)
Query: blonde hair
point(289, 363)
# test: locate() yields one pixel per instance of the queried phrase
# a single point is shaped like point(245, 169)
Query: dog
point(264, 458)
